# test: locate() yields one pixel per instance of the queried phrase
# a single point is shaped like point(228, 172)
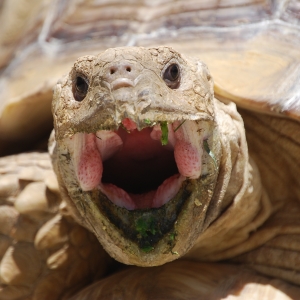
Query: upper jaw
point(105, 108)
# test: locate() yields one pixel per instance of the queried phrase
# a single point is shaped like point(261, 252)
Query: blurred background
point(247, 44)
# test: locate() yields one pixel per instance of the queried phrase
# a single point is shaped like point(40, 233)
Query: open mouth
point(138, 169)
point(139, 181)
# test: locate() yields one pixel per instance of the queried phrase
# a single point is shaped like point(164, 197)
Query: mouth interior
point(138, 169)
point(141, 165)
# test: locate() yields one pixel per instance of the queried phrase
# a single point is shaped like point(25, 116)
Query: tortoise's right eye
point(79, 88)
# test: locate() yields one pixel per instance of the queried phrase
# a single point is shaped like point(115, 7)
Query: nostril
point(121, 69)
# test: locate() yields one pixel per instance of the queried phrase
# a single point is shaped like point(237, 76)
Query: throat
point(139, 176)
point(140, 167)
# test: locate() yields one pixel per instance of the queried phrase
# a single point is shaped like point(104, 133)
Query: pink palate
point(90, 164)
point(188, 151)
point(108, 143)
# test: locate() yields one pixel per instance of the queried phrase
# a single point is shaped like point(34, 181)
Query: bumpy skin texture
point(230, 193)
point(192, 100)
point(252, 50)
point(231, 220)
point(230, 216)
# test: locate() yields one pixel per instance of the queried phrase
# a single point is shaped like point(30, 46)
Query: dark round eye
point(79, 88)
point(171, 76)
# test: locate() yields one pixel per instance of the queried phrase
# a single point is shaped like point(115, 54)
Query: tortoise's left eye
point(171, 76)
point(79, 88)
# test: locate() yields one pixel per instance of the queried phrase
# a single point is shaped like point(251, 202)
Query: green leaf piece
point(147, 249)
point(164, 133)
point(172, 236)
point(145, 226)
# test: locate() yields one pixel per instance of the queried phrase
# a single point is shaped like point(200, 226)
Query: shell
point(217, 282)
point(252, 50)
point(42, 252)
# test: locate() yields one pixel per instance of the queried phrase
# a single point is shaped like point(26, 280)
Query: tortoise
point(207, 219)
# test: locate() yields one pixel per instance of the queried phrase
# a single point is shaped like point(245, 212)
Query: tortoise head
point(137, 150)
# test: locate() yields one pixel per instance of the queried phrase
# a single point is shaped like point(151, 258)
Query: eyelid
point(77, 93)
point(172, 84)
point(79, 74)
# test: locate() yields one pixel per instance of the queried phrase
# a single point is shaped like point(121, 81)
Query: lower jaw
point(144, 227)
point(143, 237)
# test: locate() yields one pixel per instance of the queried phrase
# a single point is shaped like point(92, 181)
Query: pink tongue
point(167, 190)
point(108, 143)
point(117, 196)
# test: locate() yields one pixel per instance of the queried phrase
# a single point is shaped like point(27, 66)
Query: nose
point(120, 69)
point(121, 74)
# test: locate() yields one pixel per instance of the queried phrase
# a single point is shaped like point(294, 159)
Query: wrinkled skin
point(209, 206)
point(252, 50)
point(207, 132)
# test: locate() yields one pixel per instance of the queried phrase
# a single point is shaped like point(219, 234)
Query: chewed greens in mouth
point(138, 169)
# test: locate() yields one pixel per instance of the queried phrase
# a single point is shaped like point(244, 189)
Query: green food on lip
point(145, 227)
point(147, 249)
point(164, 130)
point(172, 236)
point(147, 121)
point(164, 133)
